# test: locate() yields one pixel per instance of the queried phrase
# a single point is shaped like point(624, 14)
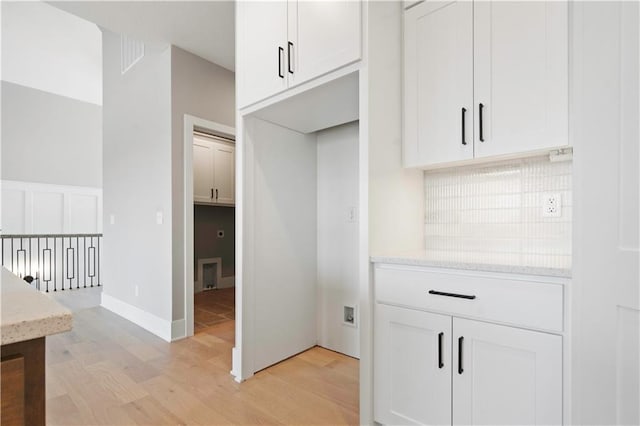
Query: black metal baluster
point(98, 261)
point(77, 262)
point(84, 260)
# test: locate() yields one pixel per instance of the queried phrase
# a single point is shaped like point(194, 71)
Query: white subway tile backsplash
point(492, 213)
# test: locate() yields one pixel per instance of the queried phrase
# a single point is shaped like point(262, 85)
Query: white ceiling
point(204, 28)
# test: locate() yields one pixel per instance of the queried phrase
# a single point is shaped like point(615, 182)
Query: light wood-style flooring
point(108, 371)
point(213, 307)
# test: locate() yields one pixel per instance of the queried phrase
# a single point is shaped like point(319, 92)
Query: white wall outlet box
point(551, 205)
point(220, 233)
point(350, 316)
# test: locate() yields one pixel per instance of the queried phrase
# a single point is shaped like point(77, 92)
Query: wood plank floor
point(108, 371)
point(213, 307)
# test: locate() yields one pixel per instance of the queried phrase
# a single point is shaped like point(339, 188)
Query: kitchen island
point(27, 317)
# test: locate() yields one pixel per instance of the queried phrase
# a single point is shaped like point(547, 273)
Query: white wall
point(606, 277)
point(51, 50)
point(207, 91)
point(50, 138)
point(338, 236)
point(137, 187)
point(396, 194)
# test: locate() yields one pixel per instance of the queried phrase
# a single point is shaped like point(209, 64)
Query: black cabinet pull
point(216, 194)
point(460, 296)
point(280, 52)
point(464, 113)
point(460, 369)
point(211, 192)
point(289, 48)
point(440, 363)
point(480, 110)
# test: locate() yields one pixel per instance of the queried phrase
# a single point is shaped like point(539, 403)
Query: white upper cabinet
point(499, 67)
point(284, 44)
point(260, 49)
point(224, 174)
point(521, 76)
point(213, 172)
point(438, 83)
point(202, 171)
point(323, 36)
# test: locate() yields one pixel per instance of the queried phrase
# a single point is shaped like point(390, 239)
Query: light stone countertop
point(439, 260)
point(27, 313)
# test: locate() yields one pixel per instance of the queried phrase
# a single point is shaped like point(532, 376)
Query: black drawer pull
point(460, 369)
point(440, 363)
point(460, 296)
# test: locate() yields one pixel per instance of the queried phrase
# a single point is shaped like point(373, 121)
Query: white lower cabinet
point(412, 379)
point(441, 368)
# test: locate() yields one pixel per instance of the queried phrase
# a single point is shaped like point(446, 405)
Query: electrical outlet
point(551, 205)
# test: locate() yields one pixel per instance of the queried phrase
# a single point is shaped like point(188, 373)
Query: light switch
point(112, 219)
point(159, 218)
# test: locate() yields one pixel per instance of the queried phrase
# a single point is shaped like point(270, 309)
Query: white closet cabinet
point(213, 172)
point(483, 79)
point(282, 44)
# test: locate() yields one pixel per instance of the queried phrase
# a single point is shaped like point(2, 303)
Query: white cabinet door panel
point(505, 375)
point(521, 76)
point(412, 379)
point(224, 173)
point(325, 35)
point(262, 44)
point(438, 83)
point(202, 172)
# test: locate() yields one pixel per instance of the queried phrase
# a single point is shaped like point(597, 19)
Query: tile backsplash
point(493, 213)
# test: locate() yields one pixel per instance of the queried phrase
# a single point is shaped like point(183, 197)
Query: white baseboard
point(178, 330)
point(227, 282)
point(156, 325)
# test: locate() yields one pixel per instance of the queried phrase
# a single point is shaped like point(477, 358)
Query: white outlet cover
point(552, 205)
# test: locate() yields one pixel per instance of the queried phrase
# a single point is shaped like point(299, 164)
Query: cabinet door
point(202, 171)
point(521, 76)
point(261, 49)
point(224, 174)
point(324, 36)
point(412, 367)
point(438, 83)
point(505, 375)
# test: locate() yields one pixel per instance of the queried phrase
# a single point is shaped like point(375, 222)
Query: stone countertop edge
point(468, 266)
point(27, 313)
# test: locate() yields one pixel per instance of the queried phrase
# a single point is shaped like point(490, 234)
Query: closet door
point(224, 173)
point(203, 190)
point(412, 367)
point(438, 83)
point(505, 375)
point(521, 76)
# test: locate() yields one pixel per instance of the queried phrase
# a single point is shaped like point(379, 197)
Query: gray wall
point(207, 220)
point(207, 91)
point(50, 138)
point(137, 178)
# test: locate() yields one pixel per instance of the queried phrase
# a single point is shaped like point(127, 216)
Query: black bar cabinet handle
point(211, 192)
point(464, 113)
point(460, 341)
point(480, 110)
point(289, 48)
point(216, 194)
point(460, 296)
point(280, 53)
point(440, 363)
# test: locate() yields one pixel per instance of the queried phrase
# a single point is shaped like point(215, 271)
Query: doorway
point(209, 232)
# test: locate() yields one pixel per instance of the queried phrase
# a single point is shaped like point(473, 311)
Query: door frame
point(192, 123)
